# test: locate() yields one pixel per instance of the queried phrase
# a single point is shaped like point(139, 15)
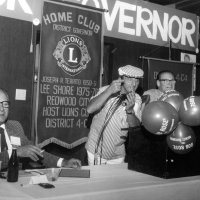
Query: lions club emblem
point(71, 54)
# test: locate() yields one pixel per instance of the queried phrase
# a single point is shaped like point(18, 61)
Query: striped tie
point(2, 140)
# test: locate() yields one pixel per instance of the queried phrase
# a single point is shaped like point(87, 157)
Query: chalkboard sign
point(184, 74)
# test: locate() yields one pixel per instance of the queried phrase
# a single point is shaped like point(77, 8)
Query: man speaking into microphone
point(116, 107)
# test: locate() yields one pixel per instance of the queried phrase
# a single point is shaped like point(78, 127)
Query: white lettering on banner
point(143, 22)
point(59, 123)
point(82, 31)
point(175, 19)
point(110, 18)
point(83, 102)
point(157, 25)
point(66, 101)
point(61, 101)
point(88, 23)
point(66, 105)
point(57, 17)
point(23, 3)
point(74, 39)
point(67, 17)
point(84, 112)
point(142, 19)
point(71, 50)
point(122, 21)
point(187, 32)
point(63, 90)
point(50, 111)
point(44, 88)
point(73, 81)
point(70, 112)
point(61, 28)
point(49, 79)
point(126, 19)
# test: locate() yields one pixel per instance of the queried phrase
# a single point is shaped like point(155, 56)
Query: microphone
point(123, 97)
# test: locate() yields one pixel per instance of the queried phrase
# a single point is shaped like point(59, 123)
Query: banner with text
point(133, 20)
point(149, 23)
point(70, 60)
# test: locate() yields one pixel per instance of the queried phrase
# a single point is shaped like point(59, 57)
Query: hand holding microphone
point(116, 85)
point(130, 102)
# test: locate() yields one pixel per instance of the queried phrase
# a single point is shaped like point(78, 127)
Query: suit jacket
point(14, 128)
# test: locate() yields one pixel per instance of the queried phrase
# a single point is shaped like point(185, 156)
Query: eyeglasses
point(5, 104)
point(165, 81)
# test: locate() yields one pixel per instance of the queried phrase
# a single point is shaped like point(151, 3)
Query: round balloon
point(182, 140)
point(160, 118)
point(172, 97)
point(189, 111)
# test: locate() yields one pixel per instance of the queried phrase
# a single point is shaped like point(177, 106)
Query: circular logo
point(71, 54)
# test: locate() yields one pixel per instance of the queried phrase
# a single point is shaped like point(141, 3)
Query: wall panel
point(17, 67)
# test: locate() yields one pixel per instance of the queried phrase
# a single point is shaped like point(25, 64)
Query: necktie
point(3, 144)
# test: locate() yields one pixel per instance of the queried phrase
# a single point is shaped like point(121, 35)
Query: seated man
point(165, 81)
point(14, 136)
point(116, 107)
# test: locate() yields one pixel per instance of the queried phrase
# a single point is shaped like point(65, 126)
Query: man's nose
point(1, 106)
point(134, 83)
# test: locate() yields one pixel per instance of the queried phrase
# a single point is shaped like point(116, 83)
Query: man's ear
point(121, 78)
point(158, 83)
point(138, 82)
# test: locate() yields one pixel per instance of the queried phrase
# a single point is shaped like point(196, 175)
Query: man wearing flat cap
point(116, 107)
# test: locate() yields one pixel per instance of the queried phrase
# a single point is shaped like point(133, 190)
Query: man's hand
point(72, 163)
point(96, 103)
point(30, 151)
point(115, 86)
point(130, 102)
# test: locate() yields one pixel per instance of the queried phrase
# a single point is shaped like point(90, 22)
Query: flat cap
point(131, 71)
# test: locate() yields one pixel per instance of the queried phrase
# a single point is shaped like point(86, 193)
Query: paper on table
point(38, 179)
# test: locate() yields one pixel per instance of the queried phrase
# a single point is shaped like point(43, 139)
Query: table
point(110, 182)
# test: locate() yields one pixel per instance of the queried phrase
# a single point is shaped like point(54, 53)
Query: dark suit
point(14, 128)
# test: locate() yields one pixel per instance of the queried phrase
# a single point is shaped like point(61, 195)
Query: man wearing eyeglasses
point(165, 81)
point(12, 136)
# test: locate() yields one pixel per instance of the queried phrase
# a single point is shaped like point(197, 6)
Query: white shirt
point(7, 140)
point(112, 143)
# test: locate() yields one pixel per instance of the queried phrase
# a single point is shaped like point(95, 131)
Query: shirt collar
point(2, 126)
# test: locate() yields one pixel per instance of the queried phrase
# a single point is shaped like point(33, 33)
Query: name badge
point(15, 141)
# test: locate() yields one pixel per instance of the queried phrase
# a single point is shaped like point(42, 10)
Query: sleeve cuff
point(9, 152)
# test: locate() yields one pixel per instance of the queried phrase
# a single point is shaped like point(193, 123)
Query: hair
point(163, 72)
point(5, 92)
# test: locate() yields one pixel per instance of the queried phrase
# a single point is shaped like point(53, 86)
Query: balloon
point(160, 117)
point(189, 111)
point(172, 97)
point(182, 140)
